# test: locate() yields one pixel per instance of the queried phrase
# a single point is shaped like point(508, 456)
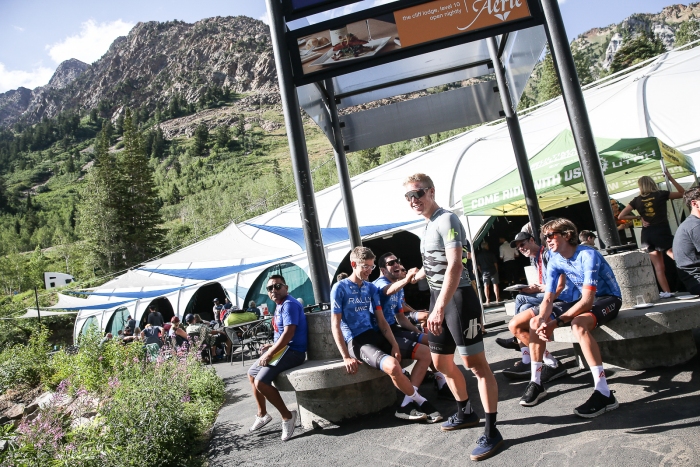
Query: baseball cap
point(519, 238)
point(174, 319)
point(189, 317)
point(167, 326)
point(216, 300)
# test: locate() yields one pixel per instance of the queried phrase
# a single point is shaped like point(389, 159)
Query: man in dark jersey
point(354, 301)
point(686, 244)
point(455, 313)
point(600, 302)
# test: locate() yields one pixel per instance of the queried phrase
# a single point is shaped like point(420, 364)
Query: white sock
point(536, 372)
point(417, 398)
point(526, 355)
point(406, 400)
point(549, 359)
point(599, 380)
point(440, 378)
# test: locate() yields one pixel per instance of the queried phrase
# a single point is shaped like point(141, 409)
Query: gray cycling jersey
point(442, 231)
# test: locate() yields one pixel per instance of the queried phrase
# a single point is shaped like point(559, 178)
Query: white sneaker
point(260, 421)
point(288, 426)
point(666, 294)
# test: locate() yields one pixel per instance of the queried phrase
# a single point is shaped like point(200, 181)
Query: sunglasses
point(364, 267)
point(276, 286)
point(416, 194)
point(551, 235)
point(393, 262)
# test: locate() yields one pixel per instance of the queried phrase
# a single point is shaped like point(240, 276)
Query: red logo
point(602, 374)
point(539, 370)
point(525, 352)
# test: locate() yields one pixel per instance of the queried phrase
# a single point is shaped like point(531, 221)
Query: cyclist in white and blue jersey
point(600, 301)
point(354, 301)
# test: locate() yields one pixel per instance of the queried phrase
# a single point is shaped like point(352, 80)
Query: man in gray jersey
point(454, 314)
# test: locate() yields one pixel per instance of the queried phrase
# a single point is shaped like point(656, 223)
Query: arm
point(420, 275)
point(391, 289)
point(405, 323)
point(546, 329)
point(452, 278)
point(285, 338)
point(351, 364)
point(625, 214)
point(386, 332)
point(560, 285)
point(674, 194)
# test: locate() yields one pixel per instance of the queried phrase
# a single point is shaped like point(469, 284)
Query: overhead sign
point(399, 30)
point(299, 8)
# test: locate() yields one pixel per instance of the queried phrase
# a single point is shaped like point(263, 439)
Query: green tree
point(687, 32)
point(201, 137)
point(240, 126)
point(582, 61)
point(70, 165)
point(157, 148)
point(174, 197)
point(140, 211)
point(223, 136)
point(548, 85)
point(641, 48)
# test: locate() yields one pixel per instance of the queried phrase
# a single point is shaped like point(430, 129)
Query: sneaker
point(550, 373)
point(519, 370)
point(454, 423)
point(666, 294)
point(410, 412)
point(511, 343)
point(487, 447)
point(596, 405)
point(533, 394)
point(431, 412)
point(260, 422)
point(444, 392)
point(288, 426)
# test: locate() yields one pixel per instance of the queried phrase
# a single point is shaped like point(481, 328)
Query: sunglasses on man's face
point(550, 235)
point(277, 286)
point(393, 262)
point(418, 194)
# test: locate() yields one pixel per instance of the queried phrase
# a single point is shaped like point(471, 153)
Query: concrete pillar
point(635, 276)
point(321, 343)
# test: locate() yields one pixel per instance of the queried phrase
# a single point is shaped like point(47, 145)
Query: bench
point(326, 394)
point(645, 338)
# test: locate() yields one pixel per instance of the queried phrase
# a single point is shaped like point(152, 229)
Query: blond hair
point(563, 226)
point(423, 179)
point(647, 185)
point(361, 253)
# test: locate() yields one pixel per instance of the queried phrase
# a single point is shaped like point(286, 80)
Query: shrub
point(25, 365)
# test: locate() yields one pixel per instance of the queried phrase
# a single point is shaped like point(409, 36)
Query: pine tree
point(201, 136)
point(174, 197)
point(548, 84)
point(223, 137)
point(637, 50)
point(140, 214)
point(70, 165)
point(687, 32)
point(157, 149)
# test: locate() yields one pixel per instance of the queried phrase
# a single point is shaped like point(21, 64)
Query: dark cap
point(189, 317)
point(216, 300)
point(519, 238)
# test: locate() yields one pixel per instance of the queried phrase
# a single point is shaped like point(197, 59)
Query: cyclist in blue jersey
point(390, 285)
point(600, 302)
point(455, 314)
point(354, 302)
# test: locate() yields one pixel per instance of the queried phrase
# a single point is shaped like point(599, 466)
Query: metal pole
point(580, 124)
point(516, 139)
point(341, 164)
point(668, 187)
point(476, 276)
point(36, 297)
point(318, 270)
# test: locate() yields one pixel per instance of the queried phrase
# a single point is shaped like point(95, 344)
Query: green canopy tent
point(559, 181)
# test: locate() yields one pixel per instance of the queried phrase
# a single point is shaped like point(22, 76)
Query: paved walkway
point(658, 423)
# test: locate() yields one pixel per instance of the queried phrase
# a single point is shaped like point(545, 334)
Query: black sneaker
point(454, 423)
point(511, 343)
point(431, 412)
point(444, 392)
point(596, 405)
point(533, 394)
point(519, 370)
point(410, 412)
point(550, 373)
point(487, 447)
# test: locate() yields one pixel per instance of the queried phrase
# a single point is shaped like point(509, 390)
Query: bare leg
point(392, 368)
point(423, 360)
point(519, 326)
point(657, 260)
point(487, 292)
point(488, 387)
point(669, 252)
point(273, 395)
point(259, 398)
point(498, 292)
point(537, 345)
point(455, 379)
point(582, 326)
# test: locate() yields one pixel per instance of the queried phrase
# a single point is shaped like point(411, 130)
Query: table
point(247, 339)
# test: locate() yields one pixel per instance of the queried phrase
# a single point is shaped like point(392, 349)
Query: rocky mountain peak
point(66, 73)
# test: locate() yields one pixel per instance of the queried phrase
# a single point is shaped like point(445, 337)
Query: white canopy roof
point(137, 279)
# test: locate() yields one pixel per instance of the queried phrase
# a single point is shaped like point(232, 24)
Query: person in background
point(177, 332)
point(507, 254)
point(341, 276)
point(586, 237)
point(216, 310)
point(287, 351)
point(488, 267)
point(214, 338)
point(253, 308)
point(686, 244)
point(105, 339)
point(154, 317)
point(656, 231)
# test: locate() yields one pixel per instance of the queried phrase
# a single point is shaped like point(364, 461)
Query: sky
point(36, 36)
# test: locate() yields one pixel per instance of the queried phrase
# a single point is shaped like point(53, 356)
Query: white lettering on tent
point(547, 182)
point(559, 157)
point(485, 200)
point(572, 174)
point(511, 192)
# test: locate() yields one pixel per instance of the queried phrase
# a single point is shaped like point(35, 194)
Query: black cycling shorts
point(461, 328)
point(604, 310)
point(371, 347)
point(400, 332)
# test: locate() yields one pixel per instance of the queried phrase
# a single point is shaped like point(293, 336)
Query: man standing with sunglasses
point(455, 313)
point(287, 351)
point(600, 302)
point(355, 304)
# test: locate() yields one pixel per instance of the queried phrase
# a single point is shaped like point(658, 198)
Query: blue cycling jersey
point(356, 304)
point(586, 269)
point(391, 304)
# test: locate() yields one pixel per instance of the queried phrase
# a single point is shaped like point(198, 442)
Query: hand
point(396, 353)
point(264, 358)
point(422, 317)
point(351, 365)
point(411, 274)
point(645, 223)
point(264, 348)
point(545, 330)
point(435, 321)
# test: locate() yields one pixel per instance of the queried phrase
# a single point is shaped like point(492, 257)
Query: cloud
point(18, 28)
point(92, 42)
point(265, 18)
point(12, 79)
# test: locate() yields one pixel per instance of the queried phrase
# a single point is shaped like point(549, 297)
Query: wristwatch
point(560, 322)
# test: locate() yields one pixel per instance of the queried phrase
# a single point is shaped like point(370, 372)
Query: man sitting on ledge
point(354, 301)
point(686, 244)
point(600, 302)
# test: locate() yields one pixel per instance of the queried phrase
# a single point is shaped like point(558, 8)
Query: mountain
point(149, 66)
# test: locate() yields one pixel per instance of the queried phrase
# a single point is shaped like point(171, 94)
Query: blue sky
point(35, 36)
